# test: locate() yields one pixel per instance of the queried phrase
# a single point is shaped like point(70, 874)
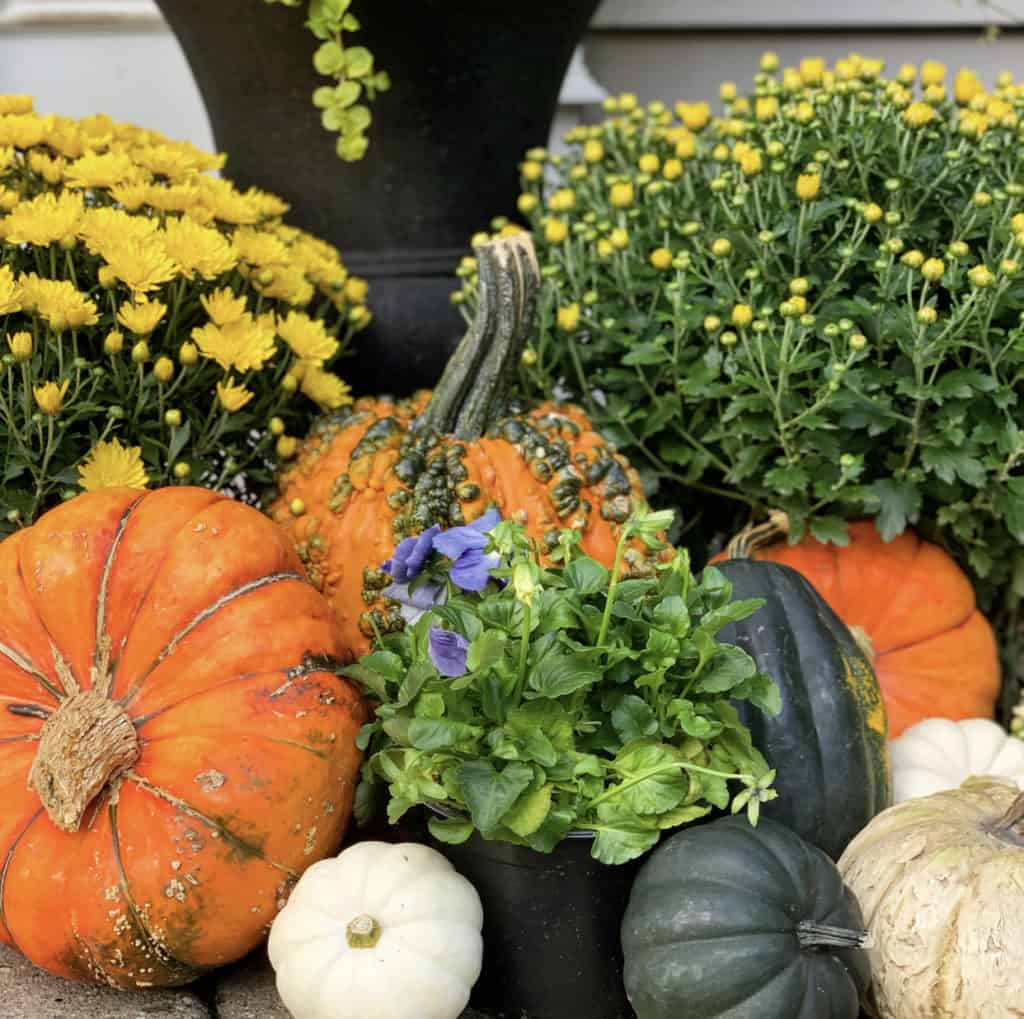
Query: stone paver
point(28, 993)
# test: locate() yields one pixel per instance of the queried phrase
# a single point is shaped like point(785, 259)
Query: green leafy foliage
point(616, 720)
point(848, 346)
point(351, 68)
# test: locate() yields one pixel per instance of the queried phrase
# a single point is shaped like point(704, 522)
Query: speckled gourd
point(376, 472)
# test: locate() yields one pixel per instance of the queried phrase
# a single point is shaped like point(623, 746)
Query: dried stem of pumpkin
point(469, 396)
point(1012, 822)
point(754, 536)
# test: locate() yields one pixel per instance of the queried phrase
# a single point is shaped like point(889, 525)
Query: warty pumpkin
point(379, 471)
point(174, 748)
point(910, 606)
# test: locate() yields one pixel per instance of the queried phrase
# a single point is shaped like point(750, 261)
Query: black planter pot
point(474, 84)
point(551, 929)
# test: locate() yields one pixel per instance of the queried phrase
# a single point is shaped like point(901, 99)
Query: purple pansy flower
point(414, 601)
point(410, 555)
point(471, 568)
point(448, 651)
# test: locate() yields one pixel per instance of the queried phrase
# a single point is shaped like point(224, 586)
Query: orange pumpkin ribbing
point(935, 653)
point(188, 614)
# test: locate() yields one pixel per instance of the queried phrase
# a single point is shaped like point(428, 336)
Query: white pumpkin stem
point(822, 935)
point(363, 932)
point(87, 742)
point(1011, 825)
point(754, 536)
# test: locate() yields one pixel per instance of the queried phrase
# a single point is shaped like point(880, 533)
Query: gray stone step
point(28, 993)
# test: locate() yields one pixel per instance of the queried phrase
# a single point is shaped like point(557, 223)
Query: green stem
point(524, 650)
point(661, 768)
point(620, 550)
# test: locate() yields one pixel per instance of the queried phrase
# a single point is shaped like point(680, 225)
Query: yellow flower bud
point(858, 341)
point(276, 426)
point(531, 170)
point(711, 323)
point(927, 315)
point(621, 194)
point(958, 249)
point(914, 259)
point(604, 248)
point(562, 200)
point(742, 315)
point(627, 102)
point(686, 146)
point(728, 338)
point(297, 507)
point(932, 269)
point(906, 74)
point(289, 383)
point(286, 446)
point(114, 342)
point(727, 91)
point(188, 353)
point(182, 470)
point(812, 70)
point(872, 212)
point(800, 285)
point(808, 186)
point(21, 345)
point(661, 258)
point(695, 116)
point(720, 153)
point(769, 61)
point(766, 108)
point(163, 369)
point(568, 317)
point(981, 276)
point(526, 203)
point(933, 72)
point(555, 230)
point(649, 163)
point(751, 163)
point(672, 170)
point(528, 357)
point(49, 397)
point(798, 303)
point(1009, 267)
point(720, 247)
point(619, 239)
point(140, 352)
point(172, 417)
point(593, 151)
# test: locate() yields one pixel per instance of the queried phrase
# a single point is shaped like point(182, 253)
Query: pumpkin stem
point(754, 536)
point(1012, 822)
point(363, 932)
point(83, 745)
point(471, 393)
point(812, 936)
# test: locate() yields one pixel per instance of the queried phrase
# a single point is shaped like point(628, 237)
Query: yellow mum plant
point(154, 319)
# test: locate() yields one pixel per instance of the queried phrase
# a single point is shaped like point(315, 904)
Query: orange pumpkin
point(174, 751)
point(910, 604)
point(374, 473)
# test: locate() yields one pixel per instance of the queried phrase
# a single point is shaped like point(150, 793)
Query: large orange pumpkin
point(174, 752)
point(909, 603)
point(374, 473)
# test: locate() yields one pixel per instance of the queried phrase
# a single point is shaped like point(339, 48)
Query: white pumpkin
point(383, 931)
point(938, 754)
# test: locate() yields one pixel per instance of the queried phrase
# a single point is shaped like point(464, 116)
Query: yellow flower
point(568, 317)
point(245, 344)
point(286, 283)
point(21, 345)
point(168, 160)
point(182, 470)
point(751, 163)
point(808, 186)
point(695, 116)
point(919, 114)
point(24, 131)
point(531, 170)
point(223, 306)
point(49, 397)
point(661, 258)
point(50, 168)
point(966, 85)
point(324, 388)
point(1017, 223)
point(96, 170)
point(803, 113)
point(620, 194)
point(914, 259)
point(57, 301)
point(15, 104)
point(555, 230)
point(188, 353)
point(799, 286)
point(561, 200)
point(933, 72)
point(140, 352)
point(198, 249)
point(727, 91)
point(114, 342)
point(142, 265)
point(769, 61)
point(932, 269)
point(232, 397)
point(686, 146)
point(221, 199)
point(141, 317)
point(257, 247)
point(104, 227)
point(649, 163)
point(604, 248)
point(972, 124)
point(766, 107)
point(10, 292)
point(619, 238)
point(111, 465)
point(356, 290)
point(981, 276)
point(44, 219)
point(163, 369)
point(812, 70)
point(791, 80)
point(672, 170)
point(307, 337)
point(742, 315)
point(906, 74)
point(526, 203)
point(593, 151)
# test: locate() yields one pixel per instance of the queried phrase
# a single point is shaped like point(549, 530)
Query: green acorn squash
point(828, 744)
point(726, 921)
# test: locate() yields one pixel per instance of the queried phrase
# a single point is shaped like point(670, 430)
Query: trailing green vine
point(350, 67)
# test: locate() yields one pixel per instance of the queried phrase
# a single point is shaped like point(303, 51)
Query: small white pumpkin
point(383, 931)
point(938, 754)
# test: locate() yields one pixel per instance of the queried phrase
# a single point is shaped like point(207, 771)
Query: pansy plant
point(525, 702)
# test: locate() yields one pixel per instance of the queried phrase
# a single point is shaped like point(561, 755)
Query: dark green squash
point(828, 744)
point(726, 921)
